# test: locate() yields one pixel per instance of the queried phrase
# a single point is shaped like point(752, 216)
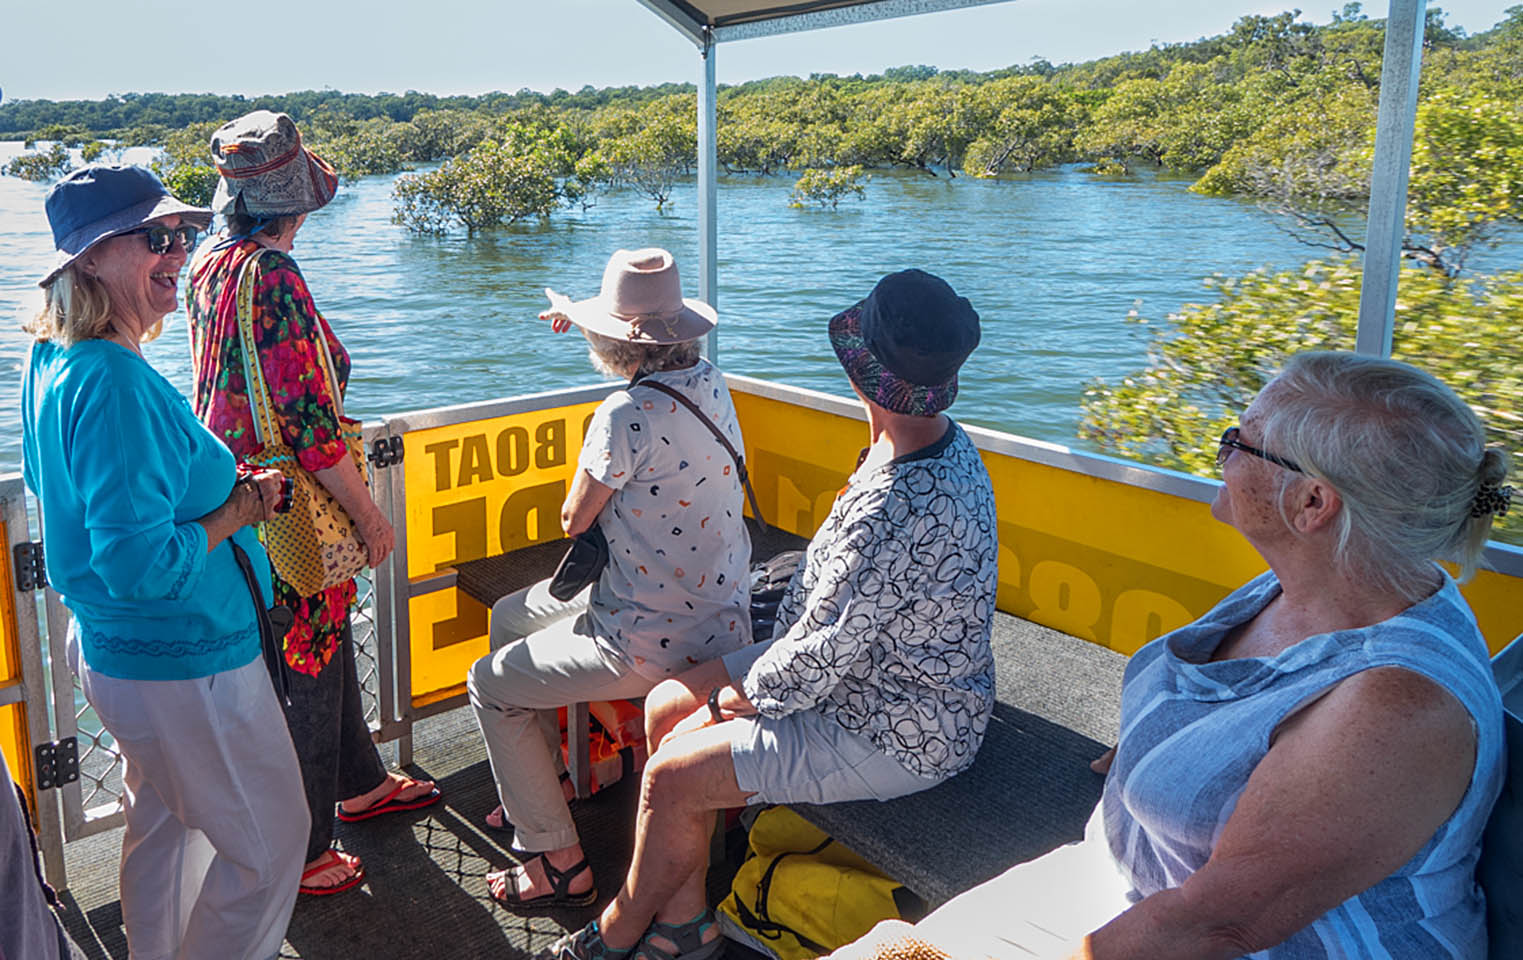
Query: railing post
point(34, 689)
point(708, 198)
point(1388, 181)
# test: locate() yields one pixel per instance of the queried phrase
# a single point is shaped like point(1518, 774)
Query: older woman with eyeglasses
point(1305, 771)
point(144, 516)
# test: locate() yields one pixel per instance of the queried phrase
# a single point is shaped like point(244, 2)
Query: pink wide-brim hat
point(642, 302)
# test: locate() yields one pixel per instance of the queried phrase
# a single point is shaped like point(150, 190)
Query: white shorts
point(806, 757)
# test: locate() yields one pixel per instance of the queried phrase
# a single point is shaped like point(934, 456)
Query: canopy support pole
point(708, 197)
point(1388, 183)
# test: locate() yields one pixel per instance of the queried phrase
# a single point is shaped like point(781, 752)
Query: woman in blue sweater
point(141, 510)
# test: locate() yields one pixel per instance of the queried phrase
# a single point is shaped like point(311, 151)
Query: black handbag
point(583, 563)
point(769, 581)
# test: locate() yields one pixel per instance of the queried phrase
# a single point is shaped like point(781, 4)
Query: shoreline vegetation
point(1276, 111)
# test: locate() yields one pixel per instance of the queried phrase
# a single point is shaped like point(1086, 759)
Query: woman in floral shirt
point(269, 184)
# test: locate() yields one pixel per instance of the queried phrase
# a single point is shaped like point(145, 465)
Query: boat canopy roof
point(721, 20)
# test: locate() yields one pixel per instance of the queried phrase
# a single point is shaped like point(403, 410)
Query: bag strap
point(266, 428)
point(269, 643)
point(265, 423)
point(736, 455)
point(760, 921)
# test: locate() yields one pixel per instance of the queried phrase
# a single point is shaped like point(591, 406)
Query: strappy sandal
point(687, 936)
point(560, 894)
point(585, 944)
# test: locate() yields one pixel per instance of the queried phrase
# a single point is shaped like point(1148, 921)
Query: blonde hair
point(76, 307)
point(1405, 453)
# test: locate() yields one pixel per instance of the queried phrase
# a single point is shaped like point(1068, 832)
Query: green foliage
point(40, 166)
point(194, 184)
point(68, 134)
point(1184, 121)
point(185, 164)
point(1467, 173)
point(651, 149)
point(1208, 361)
point(827, 187)
point(1302, 156)
point(1023, 123)
point(514, 177)
point(360, 148)
point(1275, 109)
point(1107, 167)
point(92, 150)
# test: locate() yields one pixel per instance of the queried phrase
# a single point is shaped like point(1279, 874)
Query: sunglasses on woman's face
point(161, 238)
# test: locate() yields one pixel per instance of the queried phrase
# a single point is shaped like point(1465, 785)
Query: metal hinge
point(57, 763)
point(31, 573)
point(386, 452)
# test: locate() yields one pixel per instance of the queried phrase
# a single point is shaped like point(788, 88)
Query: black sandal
point(560, 894)
point(687, 936)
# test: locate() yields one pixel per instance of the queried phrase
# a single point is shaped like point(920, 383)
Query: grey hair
point(1405, 454)
point(625, 359)
point(76, 307)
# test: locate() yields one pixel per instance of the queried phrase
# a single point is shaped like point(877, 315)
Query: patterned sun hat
point(903, 345)
point(261, 160)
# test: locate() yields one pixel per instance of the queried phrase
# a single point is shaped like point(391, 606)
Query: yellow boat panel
point(1111, 562)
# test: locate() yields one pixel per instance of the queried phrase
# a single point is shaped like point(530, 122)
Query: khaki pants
point(543, 658)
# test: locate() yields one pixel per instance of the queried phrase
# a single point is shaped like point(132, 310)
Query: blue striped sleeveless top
point(1192, 731)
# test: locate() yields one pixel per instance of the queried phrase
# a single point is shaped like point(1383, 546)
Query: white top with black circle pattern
point(885, 628)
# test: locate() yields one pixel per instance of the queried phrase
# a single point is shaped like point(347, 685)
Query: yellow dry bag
point(800, 894)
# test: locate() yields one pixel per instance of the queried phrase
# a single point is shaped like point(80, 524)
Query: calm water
point(1052, 262)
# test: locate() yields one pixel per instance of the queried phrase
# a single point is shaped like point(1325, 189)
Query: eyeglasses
point(1230, 440)
point(161, 238)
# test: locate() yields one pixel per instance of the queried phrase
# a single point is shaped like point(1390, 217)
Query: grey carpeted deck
point(425, 892)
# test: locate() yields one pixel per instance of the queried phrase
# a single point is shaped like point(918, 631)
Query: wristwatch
point(714, 704)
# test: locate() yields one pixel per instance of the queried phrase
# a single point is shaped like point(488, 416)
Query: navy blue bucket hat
point(102, 200)
point(903, 345)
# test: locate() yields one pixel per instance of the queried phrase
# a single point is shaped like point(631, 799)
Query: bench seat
point(489, 579)
point(1028, 791)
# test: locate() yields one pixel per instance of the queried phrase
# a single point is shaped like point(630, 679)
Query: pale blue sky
point(91, 48)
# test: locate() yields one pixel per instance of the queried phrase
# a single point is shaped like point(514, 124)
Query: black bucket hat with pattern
point(903, 345)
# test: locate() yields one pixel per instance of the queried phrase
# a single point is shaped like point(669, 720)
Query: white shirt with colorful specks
point(676, 591)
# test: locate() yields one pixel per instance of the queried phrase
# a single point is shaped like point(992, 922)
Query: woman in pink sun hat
point(666, 494)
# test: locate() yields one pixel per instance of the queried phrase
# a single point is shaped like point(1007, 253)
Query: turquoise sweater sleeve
point(128, 459)
point(123, 472)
